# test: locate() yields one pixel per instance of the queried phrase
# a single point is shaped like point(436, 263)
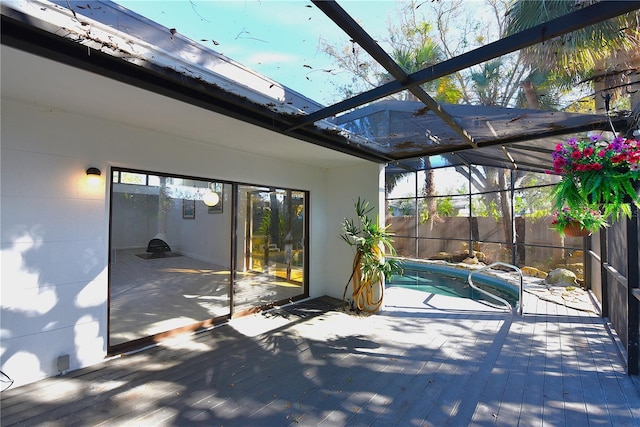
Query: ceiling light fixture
point(211, 198)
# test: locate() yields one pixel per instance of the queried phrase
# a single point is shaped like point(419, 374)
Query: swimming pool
point(446, 280)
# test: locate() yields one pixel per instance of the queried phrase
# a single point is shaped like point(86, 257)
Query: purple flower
point(616, 144)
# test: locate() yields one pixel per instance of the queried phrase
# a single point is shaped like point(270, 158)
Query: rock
point(533, 272)
point(561, 277)
point(449, 257)
point(473, 260)
point(576, 258)
point(441, 256)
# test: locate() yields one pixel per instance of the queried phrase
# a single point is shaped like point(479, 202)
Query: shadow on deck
point(424, 360)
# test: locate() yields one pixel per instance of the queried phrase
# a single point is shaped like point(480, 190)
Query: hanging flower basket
point(577, 222)
point(597, 176)
point(575, 229)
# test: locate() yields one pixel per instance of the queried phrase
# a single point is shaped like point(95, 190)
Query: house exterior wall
point(55, 228)
point(342, 205)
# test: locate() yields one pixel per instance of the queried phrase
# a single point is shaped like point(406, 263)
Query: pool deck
point(425, 360)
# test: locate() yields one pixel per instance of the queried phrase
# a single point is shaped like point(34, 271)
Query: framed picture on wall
point(188, 209)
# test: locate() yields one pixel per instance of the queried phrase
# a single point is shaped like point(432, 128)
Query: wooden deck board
point(426, 359)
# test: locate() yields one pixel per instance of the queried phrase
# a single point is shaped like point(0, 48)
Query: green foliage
point(265, 224)
point(444, 208)
point(597, 175)
point(371, 241)
point(448, 91)
point(578, 52)
point(486, 82)
point(538, 214)
point(482, 209)
point(588, 218)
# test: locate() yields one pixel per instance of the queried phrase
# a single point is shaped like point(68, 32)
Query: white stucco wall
point(364, 181)
point(54, 228)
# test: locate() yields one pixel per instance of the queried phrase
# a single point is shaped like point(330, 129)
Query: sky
point(278, 38)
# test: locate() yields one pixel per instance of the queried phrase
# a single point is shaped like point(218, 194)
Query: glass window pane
point(170, 256)
point(270, 253)
point(153, 180)
point(133, 178)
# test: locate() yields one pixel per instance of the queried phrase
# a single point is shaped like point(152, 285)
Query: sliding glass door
point(270, 232)
point(170, 258)
point(188, 252)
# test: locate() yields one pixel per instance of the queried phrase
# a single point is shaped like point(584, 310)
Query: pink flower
point(618, 158)
point(576, 155)
point(559, 162)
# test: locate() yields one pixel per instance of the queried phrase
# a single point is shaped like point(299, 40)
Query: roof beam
point(573, 21)
point(338, 15)
point(445, 149)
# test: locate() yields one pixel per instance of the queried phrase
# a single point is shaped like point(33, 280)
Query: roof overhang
point(57, 34)
point(106, 39)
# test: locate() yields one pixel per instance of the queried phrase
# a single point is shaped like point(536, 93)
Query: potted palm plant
point(599, 180)
point(370, 265)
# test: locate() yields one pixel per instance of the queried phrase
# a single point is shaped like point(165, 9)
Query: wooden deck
point(426, 360)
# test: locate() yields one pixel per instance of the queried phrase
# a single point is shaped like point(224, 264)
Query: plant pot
point(574, 229)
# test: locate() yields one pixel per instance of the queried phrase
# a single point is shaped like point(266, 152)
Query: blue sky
point(277, 38)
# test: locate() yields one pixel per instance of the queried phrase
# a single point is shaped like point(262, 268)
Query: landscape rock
point(561, 277)
point(533, 272)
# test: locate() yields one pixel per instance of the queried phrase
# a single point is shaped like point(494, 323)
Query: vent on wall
point(63, 363)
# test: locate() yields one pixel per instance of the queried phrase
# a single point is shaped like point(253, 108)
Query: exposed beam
point(573, 21)
point(338, 15)
point(445, 149)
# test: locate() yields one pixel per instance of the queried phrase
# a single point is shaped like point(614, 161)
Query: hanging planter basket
point(598, 175)
point(575, 229)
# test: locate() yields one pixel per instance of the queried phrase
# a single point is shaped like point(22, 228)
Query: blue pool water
point(443, 280)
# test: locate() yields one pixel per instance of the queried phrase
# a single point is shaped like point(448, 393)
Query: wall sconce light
point(93, 176)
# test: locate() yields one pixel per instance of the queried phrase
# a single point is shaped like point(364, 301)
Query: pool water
point(437, 280)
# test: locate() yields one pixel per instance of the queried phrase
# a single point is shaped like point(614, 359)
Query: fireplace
point(158, 247)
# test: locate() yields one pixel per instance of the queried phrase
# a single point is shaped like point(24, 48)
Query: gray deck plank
point(420, 361)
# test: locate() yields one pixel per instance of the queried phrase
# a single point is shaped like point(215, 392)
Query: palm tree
point(605, 54)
